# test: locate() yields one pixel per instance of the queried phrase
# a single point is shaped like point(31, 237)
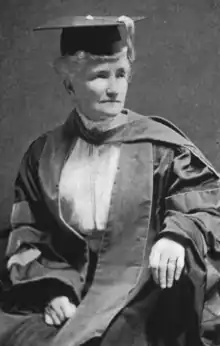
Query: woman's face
point(100, 88)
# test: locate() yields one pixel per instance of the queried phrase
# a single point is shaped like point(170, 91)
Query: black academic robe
point(164, 187)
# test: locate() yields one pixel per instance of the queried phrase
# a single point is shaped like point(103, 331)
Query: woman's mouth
point(110, 101)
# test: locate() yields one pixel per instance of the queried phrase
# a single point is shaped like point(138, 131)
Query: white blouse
point(86, 185)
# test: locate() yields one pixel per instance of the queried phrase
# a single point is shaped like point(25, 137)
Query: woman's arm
point(190, 216)
point(37, 272)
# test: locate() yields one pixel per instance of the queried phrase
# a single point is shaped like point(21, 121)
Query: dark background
point(177, 74)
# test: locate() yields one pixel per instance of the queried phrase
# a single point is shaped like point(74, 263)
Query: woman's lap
point(153, 312)
point(32, 331)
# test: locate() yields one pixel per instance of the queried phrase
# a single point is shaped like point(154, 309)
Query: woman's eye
point(98, 75)
point(122, 74)
point(102, 75)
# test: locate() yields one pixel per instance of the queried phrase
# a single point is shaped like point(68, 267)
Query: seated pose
point(116, 217)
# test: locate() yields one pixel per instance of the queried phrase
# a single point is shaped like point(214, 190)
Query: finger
point(48, 319)
point(52, 314)
point(58, 310)
point(171, 267)
point(56, 305)
point(163, 272)
point(154, 265)
point(179, 267)
point(69, 310)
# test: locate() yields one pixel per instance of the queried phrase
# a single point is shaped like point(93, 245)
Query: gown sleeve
point(191, 216)
point(192, 203)
point(37, 271)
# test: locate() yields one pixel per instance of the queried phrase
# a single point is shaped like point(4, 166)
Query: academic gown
point(164, 187)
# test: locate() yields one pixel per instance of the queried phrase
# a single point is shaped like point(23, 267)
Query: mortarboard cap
point(95, 35)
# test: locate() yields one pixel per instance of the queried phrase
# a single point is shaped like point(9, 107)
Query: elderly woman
point(116, 215)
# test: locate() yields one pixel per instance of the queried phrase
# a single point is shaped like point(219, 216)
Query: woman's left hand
point(167, 260)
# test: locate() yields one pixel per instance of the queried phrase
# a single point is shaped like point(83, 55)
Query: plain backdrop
point(177, 73)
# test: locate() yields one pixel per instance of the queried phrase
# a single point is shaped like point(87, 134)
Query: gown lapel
point(121, 259)
point(55, 153)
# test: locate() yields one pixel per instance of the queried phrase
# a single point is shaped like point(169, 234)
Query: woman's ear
point(68, 86)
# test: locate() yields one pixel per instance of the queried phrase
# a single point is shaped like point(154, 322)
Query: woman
point(116, 215)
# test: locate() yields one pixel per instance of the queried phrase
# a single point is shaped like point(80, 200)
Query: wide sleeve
point(189, 209)
point(37, 270)
point(192, 203)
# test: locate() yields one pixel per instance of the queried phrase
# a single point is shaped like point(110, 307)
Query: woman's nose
point(111, 93)
point(112, 89)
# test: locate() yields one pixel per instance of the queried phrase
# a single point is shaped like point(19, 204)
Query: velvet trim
point(121, 260)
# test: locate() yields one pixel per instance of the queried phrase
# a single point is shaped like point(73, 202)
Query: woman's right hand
point(59, 310)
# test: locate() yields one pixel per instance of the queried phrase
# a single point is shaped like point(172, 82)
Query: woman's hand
point(58, 311)
point(167, 260)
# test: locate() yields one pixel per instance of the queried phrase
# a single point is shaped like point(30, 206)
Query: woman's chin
point(105, 116)
point(109, 112)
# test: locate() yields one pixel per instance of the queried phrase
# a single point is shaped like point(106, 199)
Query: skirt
point(154, 318)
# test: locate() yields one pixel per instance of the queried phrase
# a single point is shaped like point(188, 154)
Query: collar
point(104, 125)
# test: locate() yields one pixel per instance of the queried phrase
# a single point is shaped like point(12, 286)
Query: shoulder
point(159, 128)
point(168, 124)
point(34, 150)
point(162, 132)
point(36, 147)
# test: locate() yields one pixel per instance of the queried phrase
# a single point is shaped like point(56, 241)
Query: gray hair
point(69, 66)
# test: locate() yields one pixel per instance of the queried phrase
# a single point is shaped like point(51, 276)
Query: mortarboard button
point(83, 21)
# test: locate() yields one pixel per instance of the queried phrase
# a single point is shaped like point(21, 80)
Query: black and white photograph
point(110, 173)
